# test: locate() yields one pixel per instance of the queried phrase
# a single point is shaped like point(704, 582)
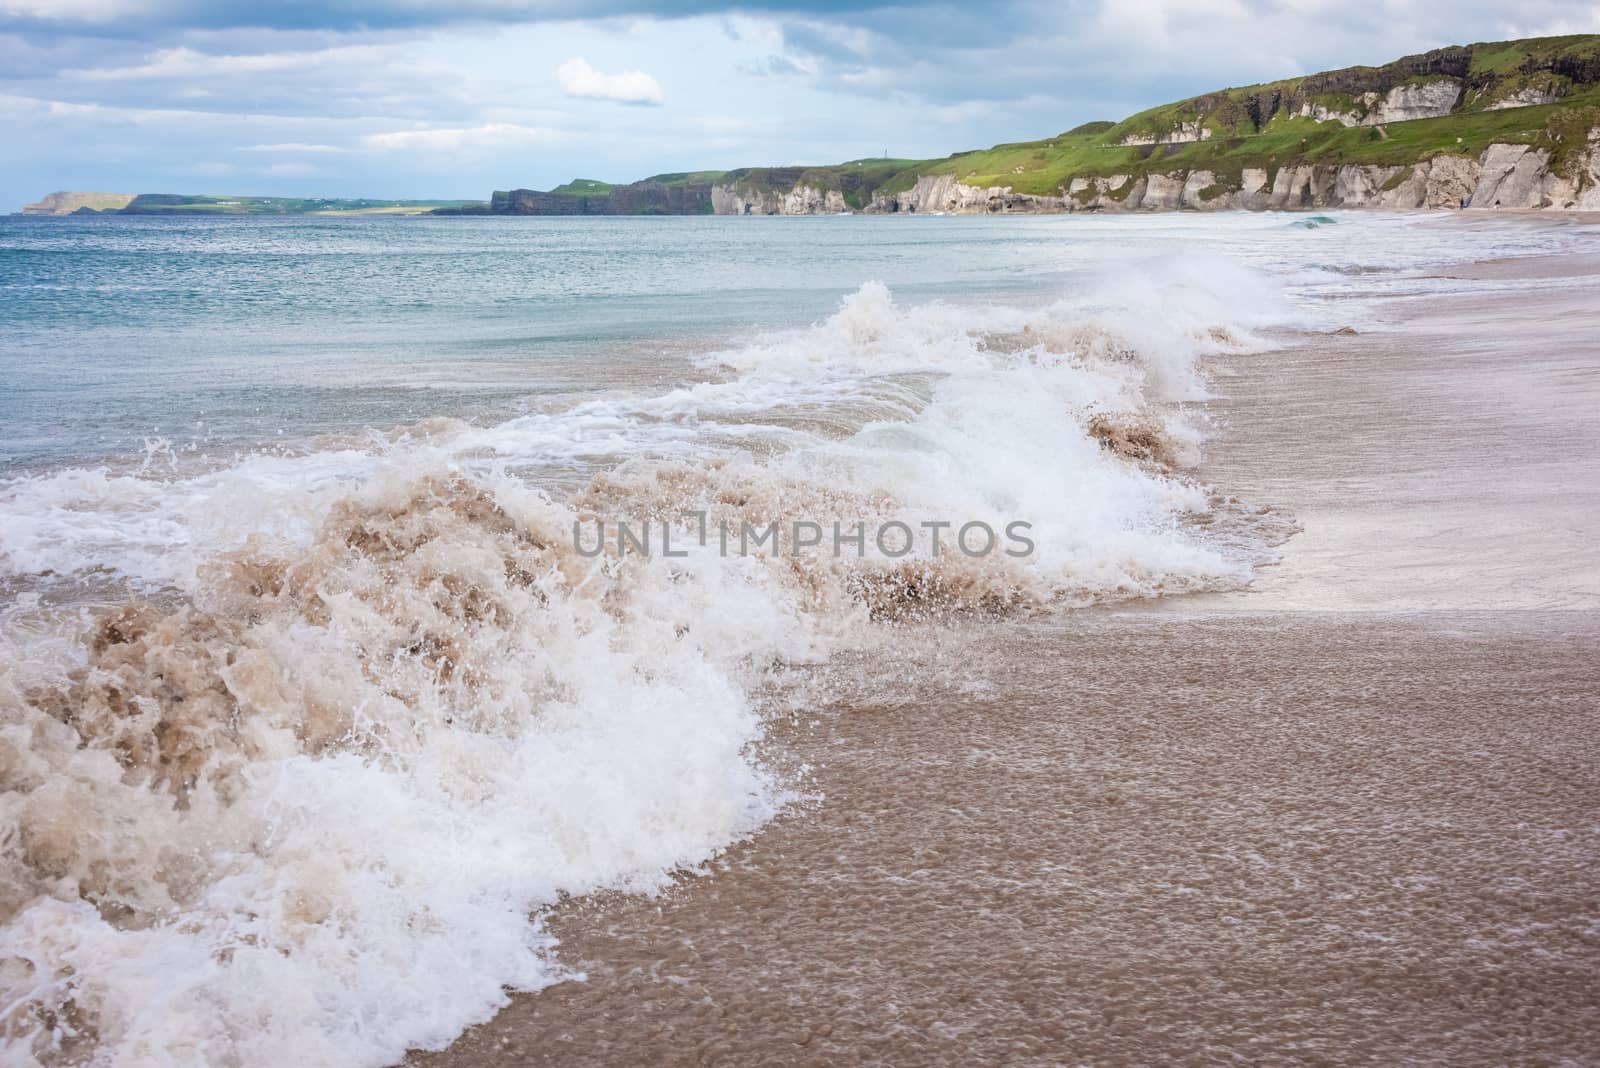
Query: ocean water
point(310, 700)
point(222, 334)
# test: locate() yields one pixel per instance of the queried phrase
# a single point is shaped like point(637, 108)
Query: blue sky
point(406, 99)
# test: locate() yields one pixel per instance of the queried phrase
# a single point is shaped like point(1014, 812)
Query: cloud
point(491, 134)
point(282, 169)
point(147, 18)
point(88, 11)
point(774, 66)
point(186, 63)
point(112, 114)
point(396, 80)
point(579, 79)
point(290, 148)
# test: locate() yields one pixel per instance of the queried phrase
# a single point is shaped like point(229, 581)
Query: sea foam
point(354, 716)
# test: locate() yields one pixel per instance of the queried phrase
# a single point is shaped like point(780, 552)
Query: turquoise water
point(228, 330)
point(230, 333)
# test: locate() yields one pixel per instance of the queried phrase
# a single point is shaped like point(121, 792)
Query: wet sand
point(1349, 816)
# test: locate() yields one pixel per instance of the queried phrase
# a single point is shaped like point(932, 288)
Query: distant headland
point(186, 204)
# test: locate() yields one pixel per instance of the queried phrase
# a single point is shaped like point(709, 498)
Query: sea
point(370, 586)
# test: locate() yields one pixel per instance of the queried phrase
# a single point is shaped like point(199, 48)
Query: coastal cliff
point(69, 203)
point(1511, 125)
point(1503, 176)
point(640, 198)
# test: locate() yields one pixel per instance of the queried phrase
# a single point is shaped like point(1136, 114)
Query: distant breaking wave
point(293, 749)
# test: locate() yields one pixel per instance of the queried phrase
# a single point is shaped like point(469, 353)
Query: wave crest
point(368, 708)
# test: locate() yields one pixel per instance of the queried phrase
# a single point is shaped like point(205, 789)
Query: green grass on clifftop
point(1092, 150)
point(583, 187)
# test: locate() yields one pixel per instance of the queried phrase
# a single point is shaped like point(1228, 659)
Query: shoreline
point(1584, 216)
point(1346, 812)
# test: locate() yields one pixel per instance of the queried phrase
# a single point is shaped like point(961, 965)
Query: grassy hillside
point(1259, 125)
point(1043, 167)
point(1266, 126)
point(583, 187)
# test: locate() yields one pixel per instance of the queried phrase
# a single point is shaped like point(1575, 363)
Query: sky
point(406, 99)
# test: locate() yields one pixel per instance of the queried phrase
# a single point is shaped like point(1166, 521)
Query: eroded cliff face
point(1182, 133)
point(1527, 97)
point(801, 200)
point(941, 193)
point(1504, 176)
point(1402, 103)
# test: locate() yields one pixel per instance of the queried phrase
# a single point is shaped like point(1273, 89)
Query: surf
point(312, 738)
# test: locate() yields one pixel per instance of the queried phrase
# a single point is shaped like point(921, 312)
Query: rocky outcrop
point(1182, 133)
point(1527, 97)
point(1162, 192)
point(1361, 185)
point(1417, 100)
point(754, 200)
point(1442, 182)
point(1254, 193)
point(1517, 176)
point(1402, 103)
point(1510, 176)
point(942, 193)
point(1105, 194)
point(1202, 192)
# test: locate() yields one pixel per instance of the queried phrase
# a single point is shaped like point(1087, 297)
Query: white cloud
point(211, 169)
point(108, 114)
point(73, 10)
point(291, 148)
point(493, 134)
point(630, 87)
point(182, 63)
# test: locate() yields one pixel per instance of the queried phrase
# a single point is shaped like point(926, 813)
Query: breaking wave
point(293, 751)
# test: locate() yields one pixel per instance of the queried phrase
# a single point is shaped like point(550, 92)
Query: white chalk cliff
point(801, 200)
point(1183, 133)
point(1414, 100)
point(1504, 176)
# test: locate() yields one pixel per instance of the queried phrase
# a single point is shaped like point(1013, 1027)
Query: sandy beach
point(1348, 815)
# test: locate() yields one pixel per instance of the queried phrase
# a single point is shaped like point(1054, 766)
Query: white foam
point(512, 722)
